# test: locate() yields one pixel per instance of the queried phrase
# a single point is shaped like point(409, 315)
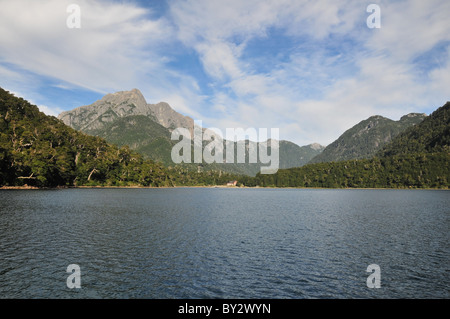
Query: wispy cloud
point(338, 71)
point(99, 56)
point(310, 68)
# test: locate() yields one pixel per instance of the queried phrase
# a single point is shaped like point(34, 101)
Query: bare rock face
point(316, 147)
point(169, 118)
point(93, 117)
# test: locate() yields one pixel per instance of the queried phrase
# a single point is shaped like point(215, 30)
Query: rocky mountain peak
point(316, 146)
point(122, 97)
point(96, 116)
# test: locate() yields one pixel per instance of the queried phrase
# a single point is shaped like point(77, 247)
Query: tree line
point(401, 171)
point(40, 150)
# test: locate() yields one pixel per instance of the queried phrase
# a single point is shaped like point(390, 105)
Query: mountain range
point(40, 150)
point(125, 118)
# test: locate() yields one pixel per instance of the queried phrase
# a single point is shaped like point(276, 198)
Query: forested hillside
point(40, 150)
point(417, 158)
point(366, 138)
point(431, 136)
point(405, 171)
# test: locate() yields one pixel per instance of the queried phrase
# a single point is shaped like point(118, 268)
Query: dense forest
point(417, 158)
point(405, 171)
point(40, 150)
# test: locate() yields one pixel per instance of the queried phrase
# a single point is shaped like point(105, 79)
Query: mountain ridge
point(110, 118)
point(367, 137)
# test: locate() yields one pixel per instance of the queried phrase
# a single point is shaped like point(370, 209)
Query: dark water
point(224, 243)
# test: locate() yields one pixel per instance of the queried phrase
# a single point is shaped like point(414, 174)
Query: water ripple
point(219, 243)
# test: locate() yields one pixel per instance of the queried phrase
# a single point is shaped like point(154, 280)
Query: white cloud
point(203, 20)
point(108, 51)
point(219, 31)
point(410, 28)
point(334, 73)
point(316, 94)
point(182, 105)
point(219, 59)
point(49, 110)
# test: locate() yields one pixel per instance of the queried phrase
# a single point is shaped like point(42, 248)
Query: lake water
point(224, 243)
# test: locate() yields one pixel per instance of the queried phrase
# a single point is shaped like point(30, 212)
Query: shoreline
point(204, 186)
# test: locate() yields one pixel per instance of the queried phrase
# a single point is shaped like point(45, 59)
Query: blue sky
point(310, 68)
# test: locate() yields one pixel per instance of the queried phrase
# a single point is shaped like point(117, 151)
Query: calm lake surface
point(224, 243)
